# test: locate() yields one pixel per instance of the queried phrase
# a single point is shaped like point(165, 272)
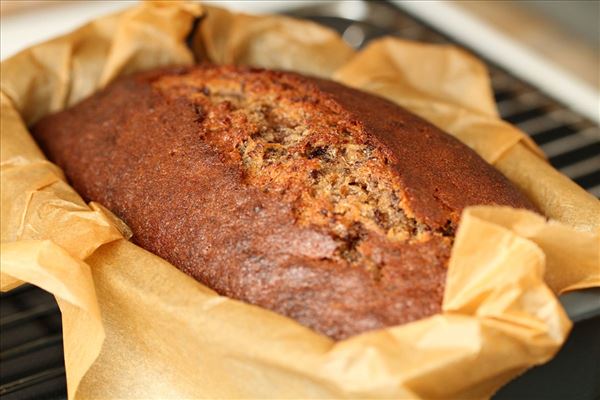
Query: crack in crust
point(305, 149)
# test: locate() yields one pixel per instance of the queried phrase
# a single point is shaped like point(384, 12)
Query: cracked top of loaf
point(326, 204)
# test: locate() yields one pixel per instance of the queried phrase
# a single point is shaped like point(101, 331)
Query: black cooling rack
point(31, 355)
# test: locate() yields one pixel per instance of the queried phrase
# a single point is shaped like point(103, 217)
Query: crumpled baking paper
point(136, 327)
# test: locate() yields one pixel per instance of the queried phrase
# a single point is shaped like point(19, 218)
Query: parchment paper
point(136, 327)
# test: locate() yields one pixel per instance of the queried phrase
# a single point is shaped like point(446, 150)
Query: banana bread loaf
point(323, 203)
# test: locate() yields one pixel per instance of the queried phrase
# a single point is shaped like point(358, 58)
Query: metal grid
point(31, 356)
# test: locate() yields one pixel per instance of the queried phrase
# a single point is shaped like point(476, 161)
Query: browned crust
point(142, 149)
point(441, 175)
